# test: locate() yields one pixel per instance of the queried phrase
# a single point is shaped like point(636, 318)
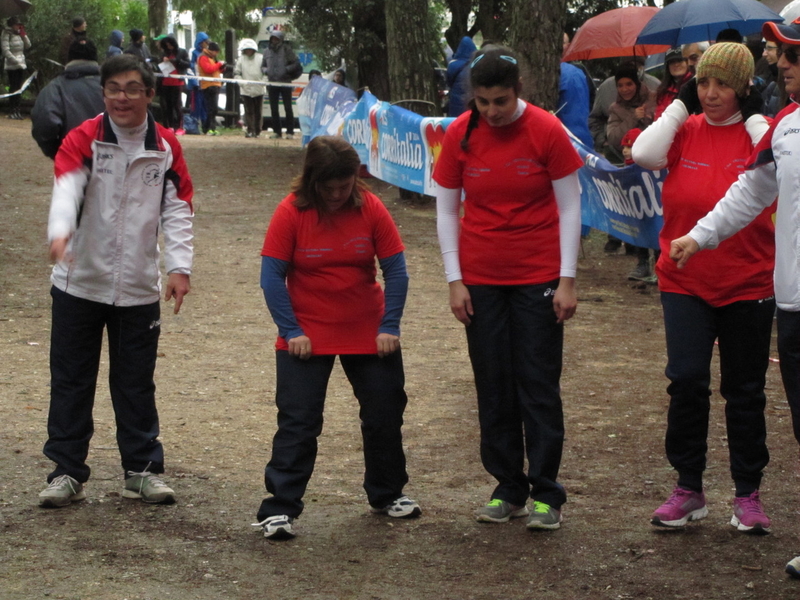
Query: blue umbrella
point(689, 21)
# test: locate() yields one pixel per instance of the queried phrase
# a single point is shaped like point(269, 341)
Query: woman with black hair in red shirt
point(510, 263)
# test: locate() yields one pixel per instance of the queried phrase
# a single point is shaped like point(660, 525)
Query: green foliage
point(49, 21)
point(215, 17)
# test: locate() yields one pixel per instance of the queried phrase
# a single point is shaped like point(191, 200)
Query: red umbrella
point(613, 33)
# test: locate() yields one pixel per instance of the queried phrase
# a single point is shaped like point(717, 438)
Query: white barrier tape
point(23, 88)
point(237, 81)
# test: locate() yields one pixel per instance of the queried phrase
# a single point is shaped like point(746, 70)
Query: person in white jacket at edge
point(774, 171)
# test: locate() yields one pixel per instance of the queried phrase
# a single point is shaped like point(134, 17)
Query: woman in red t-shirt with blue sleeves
point(725, 295)
point(511, 263)
point(318, 274)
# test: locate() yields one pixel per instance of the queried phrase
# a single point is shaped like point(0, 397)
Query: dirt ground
point(215, 387)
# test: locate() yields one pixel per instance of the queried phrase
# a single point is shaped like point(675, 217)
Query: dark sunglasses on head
point(789, 52)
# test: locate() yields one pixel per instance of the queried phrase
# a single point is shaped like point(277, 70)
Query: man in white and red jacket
point(120, 179)
point(774, 171)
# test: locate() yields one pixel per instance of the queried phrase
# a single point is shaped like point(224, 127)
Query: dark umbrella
point(613, 33)
point(689, 21)
point(9, 8)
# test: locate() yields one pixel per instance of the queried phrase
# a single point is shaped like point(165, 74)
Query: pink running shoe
point(680, 508)
point(748, 515)
point(180, 131)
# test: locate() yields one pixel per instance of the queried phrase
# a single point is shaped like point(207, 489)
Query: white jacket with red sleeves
point(112, 211)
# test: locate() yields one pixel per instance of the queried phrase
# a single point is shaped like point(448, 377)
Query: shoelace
point(272, 518)
point(753, 504)
point(147, 476)
point(60, 480)
point(677, 497)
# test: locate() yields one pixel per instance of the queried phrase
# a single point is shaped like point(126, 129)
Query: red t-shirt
point(703, 162)
point(509, 231)
point(332, 274)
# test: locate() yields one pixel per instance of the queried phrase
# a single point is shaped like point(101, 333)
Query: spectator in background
point(13, 43)
point(693, 52)
point(77, 33)
point(589, 81)
point(209, 66)
point(314, 73)
point(458, 77)
point(174, 61)
point(773, 91)
point(115, 43)
point(573, 103)
point(69, 99)
point(606, 96)
point(729, 35)
point(677, 73)
point(280, 65)
point(339, 77)
point(197, 107)
point(137, 47)
point(248, 67)
point(627, 144)
point(634, 108)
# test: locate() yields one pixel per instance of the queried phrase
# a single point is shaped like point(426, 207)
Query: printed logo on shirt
point(524, 166)
point(791, 130)
point(151, 175)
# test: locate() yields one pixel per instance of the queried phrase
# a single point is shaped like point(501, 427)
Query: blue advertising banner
point(625, 202)
point(321, 106)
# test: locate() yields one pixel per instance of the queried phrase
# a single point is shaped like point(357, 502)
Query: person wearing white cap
point(248, 67)
point(774, 169)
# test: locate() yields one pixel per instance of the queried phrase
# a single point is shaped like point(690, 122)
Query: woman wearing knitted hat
point(725, 295)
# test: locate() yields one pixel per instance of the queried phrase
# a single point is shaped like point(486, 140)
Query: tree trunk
point(536, 34)
point(459, 11)
point(411, 74)
point(157, 17)
point(372, 57)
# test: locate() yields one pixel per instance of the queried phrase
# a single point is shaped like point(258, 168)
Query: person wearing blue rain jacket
point(458, 77)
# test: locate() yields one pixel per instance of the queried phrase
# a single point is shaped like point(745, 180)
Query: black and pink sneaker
point(681, 507)
point(749, 516)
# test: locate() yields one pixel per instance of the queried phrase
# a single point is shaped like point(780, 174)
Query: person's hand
point(387, 343)
point(688, 95)
point(300, 347)
point(752, 104)
point(177, 287)
point(58, 249)
point(640, 113)
point(682, 249)
point(461, 302)
point(565, 299)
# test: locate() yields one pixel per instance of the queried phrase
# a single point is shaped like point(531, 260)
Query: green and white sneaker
point(62, 491)
point(544, 516)
point(148, 487)
point(500, 511)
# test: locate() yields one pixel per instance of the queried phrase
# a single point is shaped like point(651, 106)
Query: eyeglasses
point(132, 92)
point(789, 53)
point(769, 48)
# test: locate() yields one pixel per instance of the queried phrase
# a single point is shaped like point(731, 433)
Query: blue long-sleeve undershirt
point(273, 282)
